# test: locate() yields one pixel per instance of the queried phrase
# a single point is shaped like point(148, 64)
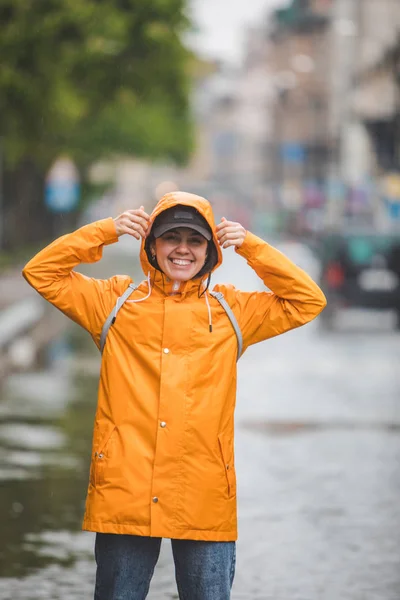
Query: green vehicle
point(360, 269)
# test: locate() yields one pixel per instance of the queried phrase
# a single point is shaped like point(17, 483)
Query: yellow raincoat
point(163, 444)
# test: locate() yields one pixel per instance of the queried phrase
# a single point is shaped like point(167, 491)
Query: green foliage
point(93, 77)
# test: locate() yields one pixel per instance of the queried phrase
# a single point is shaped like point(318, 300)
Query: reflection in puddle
point(46, 421)
point(294, 427)
point(35, 437)
point(60, 544)
point(44, 394)
point(32, 459)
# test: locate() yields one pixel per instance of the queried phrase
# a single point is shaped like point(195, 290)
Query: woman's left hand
point(230, 233)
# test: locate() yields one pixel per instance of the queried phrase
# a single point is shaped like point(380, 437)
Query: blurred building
point(375, 89)
point(301, 143)
point(232, 114)
point(375, 105)
point(336, 116)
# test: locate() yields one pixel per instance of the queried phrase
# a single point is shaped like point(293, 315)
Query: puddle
point(295, 427)
point(63, 545)
point(46, 420)
point(34, 437)
point(43, 394)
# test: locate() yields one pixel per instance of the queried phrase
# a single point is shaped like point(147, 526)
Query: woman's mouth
point(181, 262)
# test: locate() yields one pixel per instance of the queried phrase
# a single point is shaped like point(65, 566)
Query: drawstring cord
point(209, 312)
point(148, 293)
point(206, 284)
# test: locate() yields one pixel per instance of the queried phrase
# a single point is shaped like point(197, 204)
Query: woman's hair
point(211, 259)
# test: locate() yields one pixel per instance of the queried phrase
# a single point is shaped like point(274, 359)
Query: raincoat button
point(155, 499)
point(166, 350)
point(163, 424)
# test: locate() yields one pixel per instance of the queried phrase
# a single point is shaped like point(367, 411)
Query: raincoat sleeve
point(85, 300)
point(294, 299)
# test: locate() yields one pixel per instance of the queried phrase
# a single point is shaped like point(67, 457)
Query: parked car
point(360, 269)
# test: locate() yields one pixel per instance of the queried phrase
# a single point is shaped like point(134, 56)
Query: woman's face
point(181, 253)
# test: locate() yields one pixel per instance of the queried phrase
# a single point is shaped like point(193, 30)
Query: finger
point(225, 226)
point(233, 242)
point(141, 231)
point(139, 220)
point(130, 231)
point(138, 227)
point(136, 211)
point(140, 212)
point(238, 232)
point(142, 216)
point(229, 235)
point(224, 223)
point(229, 229)
point(135, 220)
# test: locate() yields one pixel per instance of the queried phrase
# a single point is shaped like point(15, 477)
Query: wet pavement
point(317, 457)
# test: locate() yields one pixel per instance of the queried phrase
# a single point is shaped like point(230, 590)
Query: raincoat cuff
point(250, 243)
point(107, 227)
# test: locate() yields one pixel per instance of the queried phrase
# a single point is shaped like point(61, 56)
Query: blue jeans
point(125, 566)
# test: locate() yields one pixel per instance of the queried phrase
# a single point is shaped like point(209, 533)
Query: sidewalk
point(13, 286)
point(31, 323)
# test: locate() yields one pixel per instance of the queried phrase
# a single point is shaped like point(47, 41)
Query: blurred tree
point(87, 79)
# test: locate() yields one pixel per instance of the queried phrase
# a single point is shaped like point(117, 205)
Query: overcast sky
point(221, 25)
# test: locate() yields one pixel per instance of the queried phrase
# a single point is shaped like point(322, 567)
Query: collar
point(168, 287)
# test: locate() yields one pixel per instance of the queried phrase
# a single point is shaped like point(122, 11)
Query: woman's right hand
point(133, 222)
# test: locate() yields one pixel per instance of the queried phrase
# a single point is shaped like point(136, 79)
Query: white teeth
point(182, 263)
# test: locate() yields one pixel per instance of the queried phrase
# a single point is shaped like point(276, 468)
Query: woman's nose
point(183, 248)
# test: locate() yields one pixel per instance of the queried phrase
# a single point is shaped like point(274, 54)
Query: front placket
point(171, 414)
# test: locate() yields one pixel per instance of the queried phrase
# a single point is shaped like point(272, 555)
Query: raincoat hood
point(186, 199)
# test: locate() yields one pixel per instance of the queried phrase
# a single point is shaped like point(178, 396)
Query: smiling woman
point(163, 461)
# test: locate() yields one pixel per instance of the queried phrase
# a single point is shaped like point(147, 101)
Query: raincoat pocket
point(226, 448)
point(101, 457)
